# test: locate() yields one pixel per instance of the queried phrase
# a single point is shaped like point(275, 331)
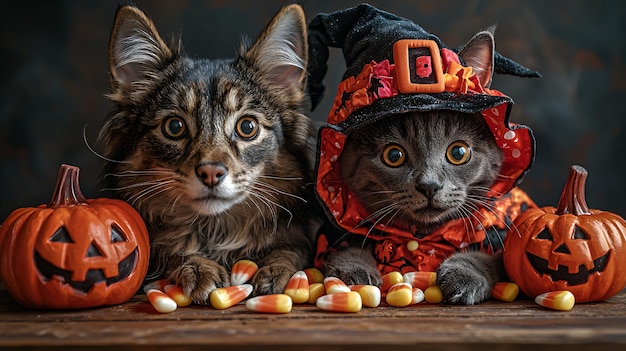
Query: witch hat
point(395, 66)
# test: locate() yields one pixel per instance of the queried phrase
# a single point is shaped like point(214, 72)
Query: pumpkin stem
point(67, 190)
point(573, 196)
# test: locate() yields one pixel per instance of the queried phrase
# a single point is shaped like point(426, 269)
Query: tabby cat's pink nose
point(211, 174)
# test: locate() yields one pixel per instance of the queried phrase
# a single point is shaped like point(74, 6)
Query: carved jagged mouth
point(562, 273)
point(48, 270)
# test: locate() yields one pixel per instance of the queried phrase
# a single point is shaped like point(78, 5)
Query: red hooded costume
point(394, 66)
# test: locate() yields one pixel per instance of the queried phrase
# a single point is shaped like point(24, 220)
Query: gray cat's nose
point(211, 174)
point(429, 189)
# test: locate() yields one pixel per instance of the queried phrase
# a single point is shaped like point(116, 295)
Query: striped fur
point(258, 210)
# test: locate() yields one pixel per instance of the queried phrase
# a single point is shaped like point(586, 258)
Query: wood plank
point(493, 324)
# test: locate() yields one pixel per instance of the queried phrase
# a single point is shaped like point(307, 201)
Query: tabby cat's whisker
point(280, 178)
point(132, 173)
point(275, 190)
point(152, 191)
point(142, 184)
point(96, 153)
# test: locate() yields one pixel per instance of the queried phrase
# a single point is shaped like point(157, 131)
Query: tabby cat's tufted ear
point(135, 48)
point(280, 53)
point(478, 53)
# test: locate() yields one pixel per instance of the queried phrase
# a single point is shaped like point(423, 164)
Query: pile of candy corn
point(330, 293)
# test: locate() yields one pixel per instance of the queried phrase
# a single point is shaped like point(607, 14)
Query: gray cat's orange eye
point(174, 127)
point(458, 153)
point(247, 127)
point(394, 156)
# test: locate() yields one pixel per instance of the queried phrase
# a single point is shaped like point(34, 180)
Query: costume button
point(412, 245)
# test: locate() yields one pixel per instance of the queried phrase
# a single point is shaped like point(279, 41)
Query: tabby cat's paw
point(199, 276)
point(271, 279)
point(462, 282)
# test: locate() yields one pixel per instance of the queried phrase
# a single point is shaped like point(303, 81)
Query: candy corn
point(222, 298)
point(177, 294)
point(340, 302)
point(433, 294)
point(160, 301)
point(335, 285)
point(242, 272)
point(418, 296)
point(298, 287)
point(314, 275)
point(557, 300)
point(391, 279)
point(315, 291)
point(370, 295)
point(505, 291)
point(420, 280)
point(276, 303)
point(400, 295)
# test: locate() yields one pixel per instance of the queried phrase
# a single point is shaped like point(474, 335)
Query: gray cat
point(419, 170)
point(427, 187)
point(214, 154)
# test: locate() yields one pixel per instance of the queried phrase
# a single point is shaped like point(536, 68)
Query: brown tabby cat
point(213, 153)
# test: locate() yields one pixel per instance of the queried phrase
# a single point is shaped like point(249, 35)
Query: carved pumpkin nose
point(93, 251)
point(429, 189)
point(563, 249)
point(211, 174)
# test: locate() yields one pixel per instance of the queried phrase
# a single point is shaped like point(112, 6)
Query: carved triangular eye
point(117, 235)
point(545, 235)
point(61, 236)
point(580, 234)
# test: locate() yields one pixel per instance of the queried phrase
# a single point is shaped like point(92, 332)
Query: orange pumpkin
point(73, 252)
point(569, 247)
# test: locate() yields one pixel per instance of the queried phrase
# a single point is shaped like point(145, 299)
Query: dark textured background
point(55, 74)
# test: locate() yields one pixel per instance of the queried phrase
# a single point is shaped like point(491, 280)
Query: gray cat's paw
point(356, 275)
point(199, 276)
point(354, 266)
point(464, 280)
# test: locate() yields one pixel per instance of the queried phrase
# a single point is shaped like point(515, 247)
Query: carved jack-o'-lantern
point(568, 248)
point(74, 252)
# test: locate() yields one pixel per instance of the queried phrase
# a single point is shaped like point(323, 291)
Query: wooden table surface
point(493, 325)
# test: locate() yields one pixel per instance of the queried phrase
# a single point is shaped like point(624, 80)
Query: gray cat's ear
point(280, 53)
point(135, 48)
point(478, 53)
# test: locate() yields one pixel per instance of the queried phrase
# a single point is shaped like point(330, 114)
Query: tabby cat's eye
point(458, 153)
point(174, 127)
point(247, 127)
point(394, 156)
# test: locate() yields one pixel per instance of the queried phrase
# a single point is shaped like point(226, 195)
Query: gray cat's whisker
point(471, 212)
point(503, 220)
point(390, 209)
point(375, 214)
point(463, 215)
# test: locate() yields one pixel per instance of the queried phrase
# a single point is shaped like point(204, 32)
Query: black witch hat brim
point(420, 103)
